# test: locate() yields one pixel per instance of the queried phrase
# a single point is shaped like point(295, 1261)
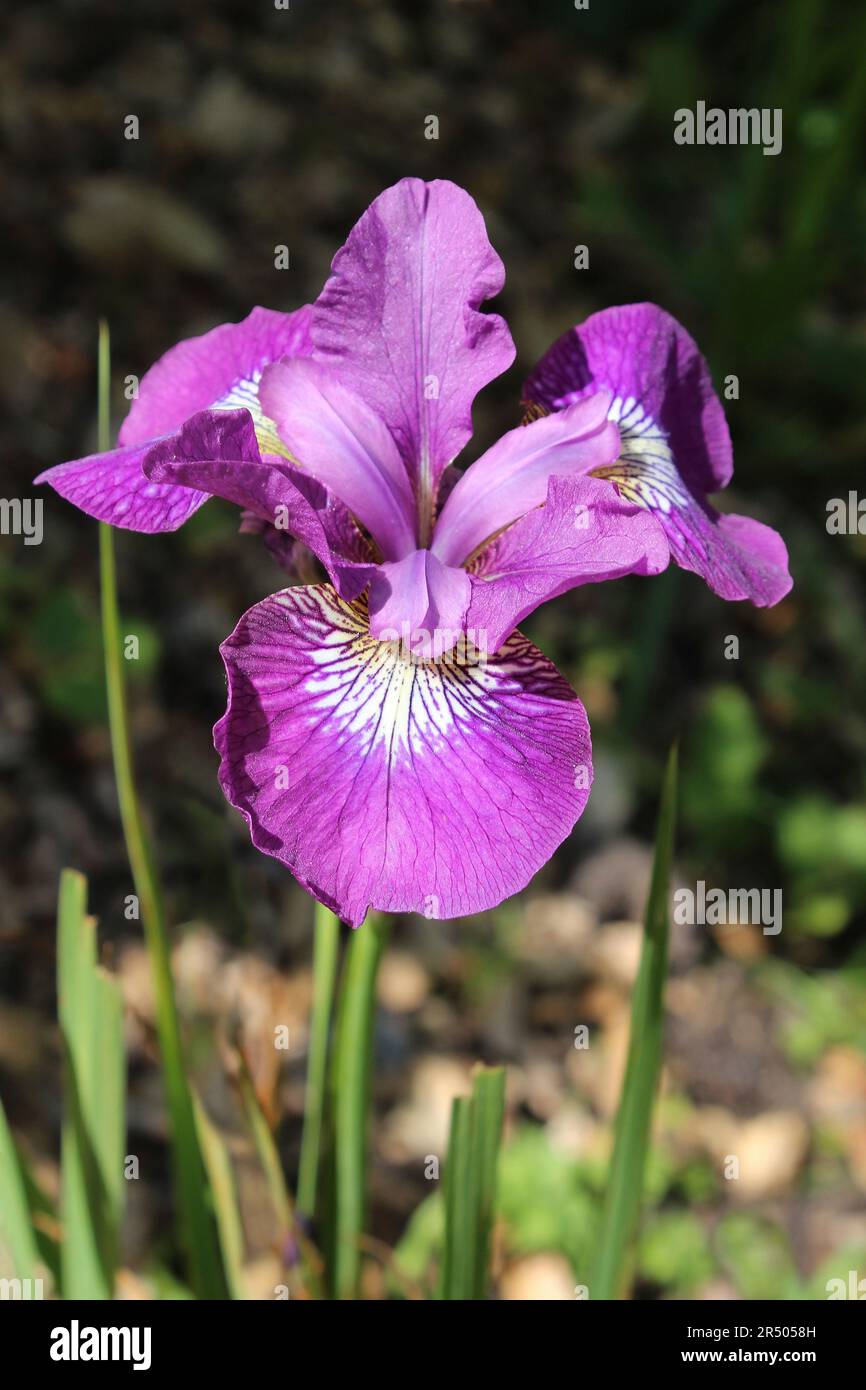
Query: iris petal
point(399, 322)
point(584, 533)
point(421, 602)
point(511, 478)
point(438, 788)
point(217, 451)
point(221, 370)
point(113, 488)
point(675, 445)
point(337, 438)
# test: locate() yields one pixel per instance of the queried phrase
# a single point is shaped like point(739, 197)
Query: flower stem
point(326, 940)
point(623, 1199)
point(196, 1222)
point(351, 1099)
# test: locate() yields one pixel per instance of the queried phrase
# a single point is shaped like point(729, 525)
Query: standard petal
point(220, 369)
point(338, 439)
point(405, 787)
point(584, 533)
point(399, 321)
point(113, 488)
point(217, 451)
point(675, 445)
point(512, 477)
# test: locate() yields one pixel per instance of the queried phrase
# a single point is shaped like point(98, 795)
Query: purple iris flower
point(389, 735)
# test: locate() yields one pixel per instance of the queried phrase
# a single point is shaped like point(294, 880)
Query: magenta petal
point(217, 452)
point(512, 477)
point(113, 488)
point(221, 369)
point(660, 381)
point(675, 447)
point(398, 321)
point(420, 602)
point(739, 558)
point(435, 788)
point(584, 533)
point(336, 438)
point(449, 590)
point(398, 596)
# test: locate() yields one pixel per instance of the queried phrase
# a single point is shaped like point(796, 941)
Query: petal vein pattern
point(675, 442)
point(399, 320)
point(390, 783)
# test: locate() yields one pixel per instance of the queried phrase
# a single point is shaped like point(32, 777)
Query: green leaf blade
point(489, 1103)
point(91, 1025)
point(623, 1198)
point(470, 1185)
point(352, 1072)
point(20, 1256)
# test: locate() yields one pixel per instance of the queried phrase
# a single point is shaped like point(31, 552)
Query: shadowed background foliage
point(262, 127)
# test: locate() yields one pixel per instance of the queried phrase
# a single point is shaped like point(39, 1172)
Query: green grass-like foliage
point(470, 1185)
point(94, 1087)
point(625, 1186)
point(74, 1250)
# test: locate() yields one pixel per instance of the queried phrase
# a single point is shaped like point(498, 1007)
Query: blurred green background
point(261, 127)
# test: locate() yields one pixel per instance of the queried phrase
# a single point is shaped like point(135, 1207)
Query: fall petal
point(406, 787)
